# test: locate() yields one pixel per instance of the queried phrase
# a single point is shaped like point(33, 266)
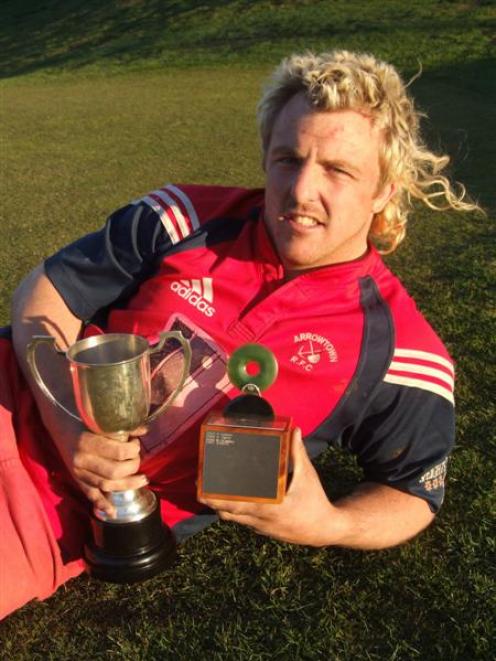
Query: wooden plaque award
point(244, 449)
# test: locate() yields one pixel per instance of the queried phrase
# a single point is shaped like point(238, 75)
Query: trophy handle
point(31, 359)
point(177, 335)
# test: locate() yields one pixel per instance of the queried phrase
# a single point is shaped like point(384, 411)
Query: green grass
point(99, 104)
point(101, 36)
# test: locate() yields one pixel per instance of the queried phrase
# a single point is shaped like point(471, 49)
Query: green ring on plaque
point(252, 353)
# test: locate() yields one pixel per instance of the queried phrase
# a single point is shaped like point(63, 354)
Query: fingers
point(109, 448)
point(299, 459)
point(96, 480)
point(99, 500)
point(297, 447)
point(232, 513)
point(245, 519)
point(230, 510)
point(108, 468)
point(140, 431)
point(101, 464)
point(96, 487)
point(257, 518)
point(108, 458)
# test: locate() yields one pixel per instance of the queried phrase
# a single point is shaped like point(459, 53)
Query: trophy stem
point(130, 505)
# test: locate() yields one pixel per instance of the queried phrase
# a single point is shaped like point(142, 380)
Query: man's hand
point(373, 516)
point(305, 516)
point(100, 464)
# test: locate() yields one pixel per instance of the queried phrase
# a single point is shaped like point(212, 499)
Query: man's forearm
point(376, 516)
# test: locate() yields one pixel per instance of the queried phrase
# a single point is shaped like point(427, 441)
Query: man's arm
point(374, 516)
point(98, 464)
point(37, 307)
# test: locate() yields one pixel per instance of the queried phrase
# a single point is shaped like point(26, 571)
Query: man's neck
point(290, 274)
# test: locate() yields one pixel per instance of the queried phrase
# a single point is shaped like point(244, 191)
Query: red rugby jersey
point(359, 367)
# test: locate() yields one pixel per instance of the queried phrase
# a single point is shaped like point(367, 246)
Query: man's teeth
point(306, 221)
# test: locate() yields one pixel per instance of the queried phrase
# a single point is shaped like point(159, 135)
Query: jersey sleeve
point(406, 435)
point(107, 266)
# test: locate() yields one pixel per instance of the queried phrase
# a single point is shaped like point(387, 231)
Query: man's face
point(322, 176)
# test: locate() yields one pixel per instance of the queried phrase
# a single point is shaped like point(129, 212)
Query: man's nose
point(305, 184)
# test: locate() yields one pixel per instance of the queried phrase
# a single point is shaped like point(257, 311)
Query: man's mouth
point(299, 219)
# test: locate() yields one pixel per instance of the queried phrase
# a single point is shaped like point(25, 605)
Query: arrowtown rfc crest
point(310, 349)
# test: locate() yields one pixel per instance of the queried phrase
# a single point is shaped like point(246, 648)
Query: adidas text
point(193, 298)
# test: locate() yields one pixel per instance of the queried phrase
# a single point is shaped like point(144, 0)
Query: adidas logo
point(198, 293)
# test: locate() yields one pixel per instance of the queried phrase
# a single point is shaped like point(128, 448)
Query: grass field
point(100, 102)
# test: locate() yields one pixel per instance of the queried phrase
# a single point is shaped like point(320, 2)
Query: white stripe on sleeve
point(187, 204)
point(420, 383)
point(166, 221)
point(173, 206)
point(416, 369)
point(424, 355)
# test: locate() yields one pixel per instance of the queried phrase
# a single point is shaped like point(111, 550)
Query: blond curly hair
point(342, 80)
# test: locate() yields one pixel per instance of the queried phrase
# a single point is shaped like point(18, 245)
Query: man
point(293, 267)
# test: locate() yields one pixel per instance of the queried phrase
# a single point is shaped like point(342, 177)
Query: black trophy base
point(129, 552)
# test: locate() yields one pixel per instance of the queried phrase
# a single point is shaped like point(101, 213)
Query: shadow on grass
point(72, 34)
point(459, 101)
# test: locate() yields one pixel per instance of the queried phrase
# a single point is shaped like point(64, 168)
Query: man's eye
point(287, 160)
point(337, 170)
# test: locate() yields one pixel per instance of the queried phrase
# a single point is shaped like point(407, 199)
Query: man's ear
point(383, 197)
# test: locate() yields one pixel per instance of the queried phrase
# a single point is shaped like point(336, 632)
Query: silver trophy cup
point(111, 379)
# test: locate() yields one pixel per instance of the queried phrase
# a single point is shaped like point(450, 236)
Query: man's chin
point(297, 262)
point(299, 254)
